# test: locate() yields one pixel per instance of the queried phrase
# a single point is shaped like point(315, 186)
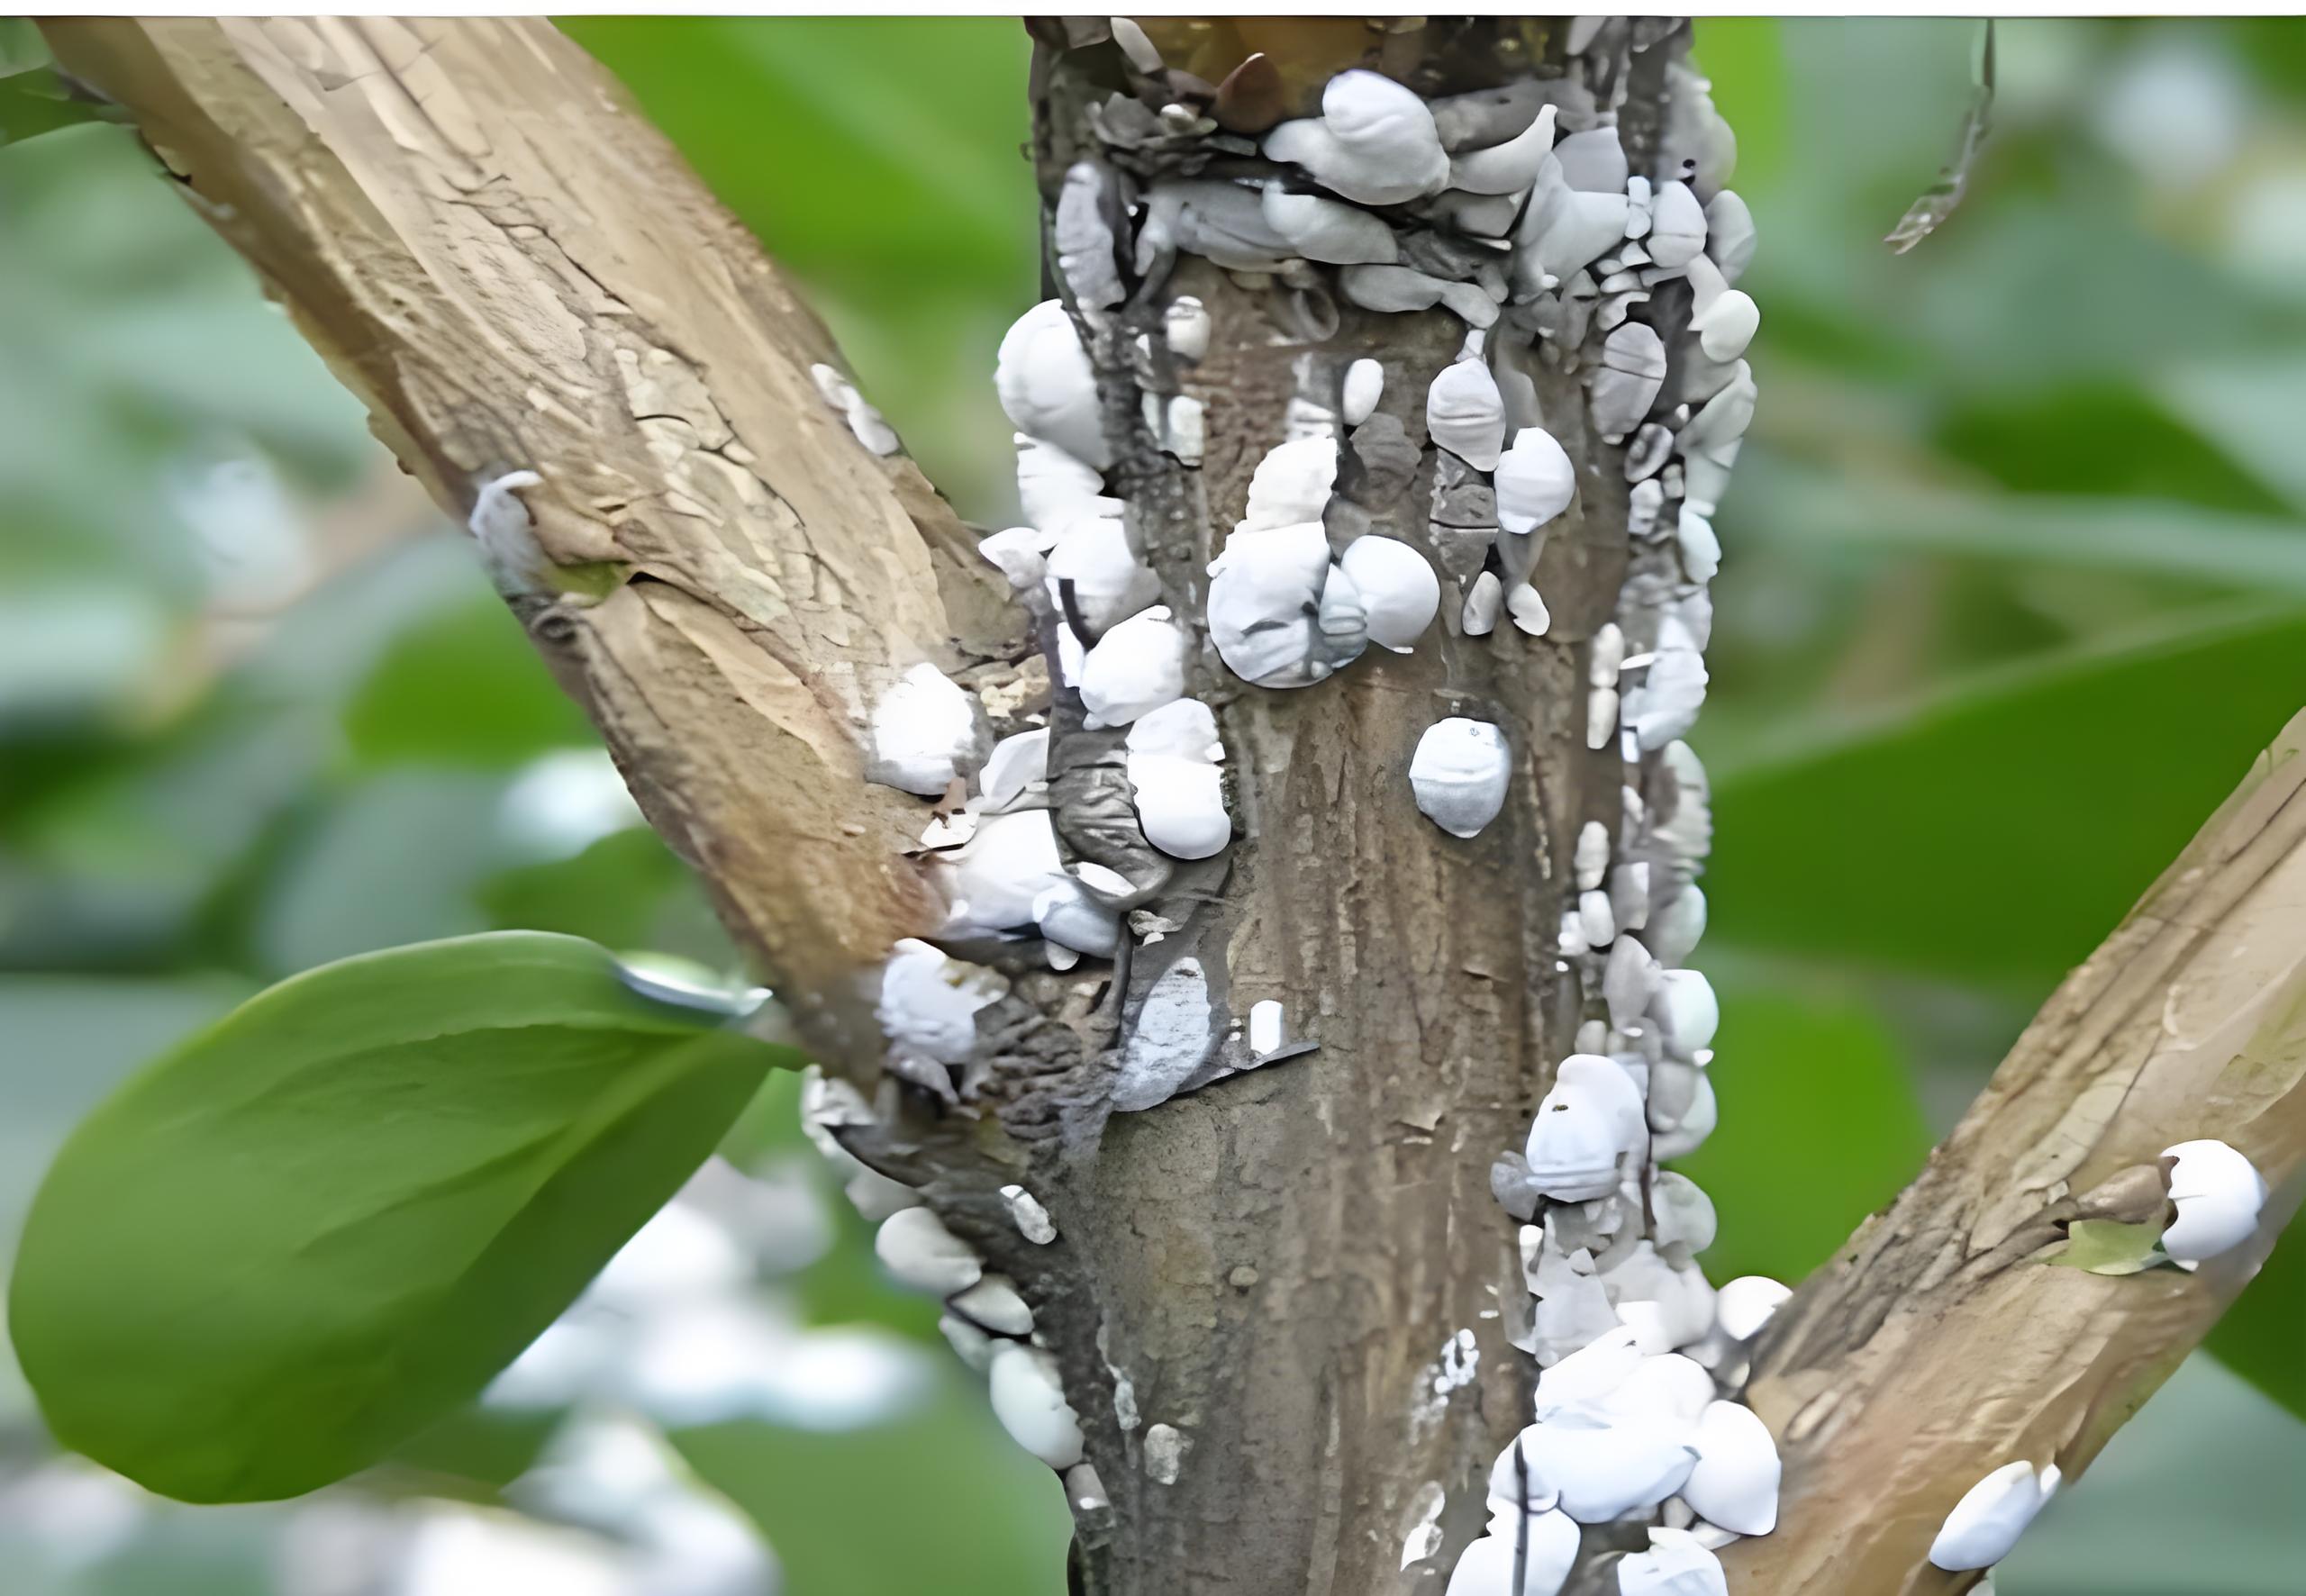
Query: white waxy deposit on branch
point(1544, 1546)
point(1135, 668)
point(1735, 1481)
point(1677, 1564)
point(1108, 582)
point(1028, 1400)
point(2218, 1194)
point(1364, 385)
point(1048, 386)
point(1465, 413)
point(929, 1003)
point(924, 729)
point(1535, 481)
point(1460, 773)
point(1374, 141)
point(1173, 755)
point(917, 1249)
point(1400, 593)
point(1326, 230)
point(1985, 1526)
point(1588, 1129)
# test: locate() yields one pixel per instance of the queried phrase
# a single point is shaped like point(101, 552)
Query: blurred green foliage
point(2016, 585)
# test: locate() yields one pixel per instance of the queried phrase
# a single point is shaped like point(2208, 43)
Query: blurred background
point(2015, 587)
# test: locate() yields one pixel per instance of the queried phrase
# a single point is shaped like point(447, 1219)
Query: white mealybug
point(1135, 668)
point(1327, 231)
point(1460, 773)
point(1291, 485)
point(1028, 1400)
point(1677, 1564)
point(1676, 225)
point(1594, 160)
point(1400, 594)
point(1669, 1308)
point(993, 1304)
point(1109, 582)
point(1529, 609)
point(1364, 385)
point(1268, 1026)
point(1058, 490)
point(924, 732)
point(1026, 1212)
point(1562, 230)
point(1729, 234)
point(1683, 1110)
point(917, 1249)
point(1185, 325)
point(1592, 859)
point(1374, 142)
point(1173, 755)
point(1391, 289)
point(1506, 168)
point(1485, 602)
point(1601, 717)
point(1687, 1013)
point(1543, 1545)
point(1683, 1221)
point(1609, 1464)
point(1626, 383)
point(1184, 430)
point(929, 1003)
point(1047, 386)
point(1744, 1306)
point(1589, 1375)
point(1735, 1481)
point(1701, 549)
point(1665, 705)
point(1535, 481)
point(1985, 1524)
point(1465, 413)
point(2218, 1194)
point(1589, 1129)
point(1726, 325)
point(1279, 614)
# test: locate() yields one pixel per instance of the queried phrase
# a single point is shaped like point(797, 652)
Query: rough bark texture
point(1943, 1341)
point(516, 272)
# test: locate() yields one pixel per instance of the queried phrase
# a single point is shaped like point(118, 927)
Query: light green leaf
point(1998, 831)
point(317, 1227)
point(2108, 1247)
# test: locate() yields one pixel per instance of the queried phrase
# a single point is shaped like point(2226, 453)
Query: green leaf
point(1819, 1126)
point(462, 687)
point(317, 1227)
point(1997, 832)
point(2108, 1247)
point(2258, 1336)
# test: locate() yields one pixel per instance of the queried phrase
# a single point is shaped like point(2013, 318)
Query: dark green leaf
point(1819, 1127)
point(1997, 832)
point(2258, 1338)
point(317, 1227)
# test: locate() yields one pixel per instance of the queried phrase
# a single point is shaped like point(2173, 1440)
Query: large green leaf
point(319, 1225)
point(1997, 832)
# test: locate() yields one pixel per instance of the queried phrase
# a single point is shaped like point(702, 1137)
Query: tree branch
point(1942, 1343)
point(515, 271)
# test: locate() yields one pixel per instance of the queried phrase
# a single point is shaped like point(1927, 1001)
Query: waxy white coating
point(1110, 584)
point(1607, 1465)
point(1173, 755)
point(2219, 1193)
point(917, 1249)
point(1134, 669)
point(1535, 481)
point(1460, 773)
point(1485, 602)
point(1026, 1212)
point(1677, 1564)
point(1743, 1306)
point(928, 1002)
point(1546, 1545)
point(1325, 230)
point(1687, 1013)
point(1364, 385)
point(1028, 1400)
point(993, 1303)
point(924, 730)
point(1735, 1479)
point(1465, 413)
point(1506, 168)
point(1058, 490)
point(1374, 141)
point(1985, 1526)
point(1291, 485)
point(1047, 386)
point(1588, 1130)
point(1400, 593)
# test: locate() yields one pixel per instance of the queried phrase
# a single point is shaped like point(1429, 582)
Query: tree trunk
point(1288, 1309)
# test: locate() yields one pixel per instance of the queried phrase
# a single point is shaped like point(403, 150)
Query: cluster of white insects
point(1515, 209)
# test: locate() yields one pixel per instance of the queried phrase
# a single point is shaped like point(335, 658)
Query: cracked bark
point(515, 271)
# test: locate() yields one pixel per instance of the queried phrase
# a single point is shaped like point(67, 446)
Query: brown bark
point(1942, 1342)
point(516, 272)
